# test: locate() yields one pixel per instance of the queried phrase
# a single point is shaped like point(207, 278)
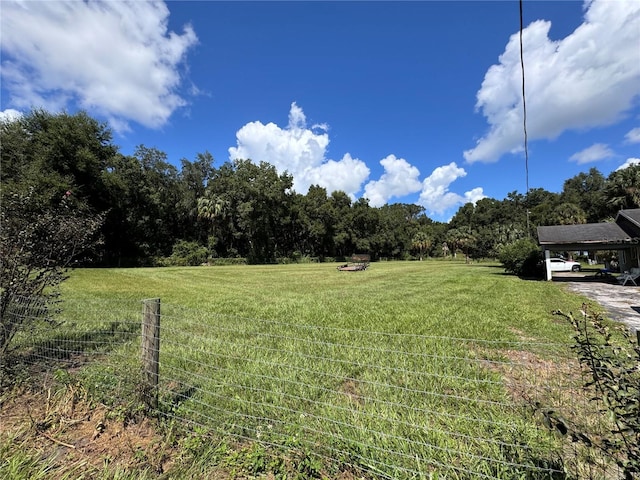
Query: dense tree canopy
point(157, 208)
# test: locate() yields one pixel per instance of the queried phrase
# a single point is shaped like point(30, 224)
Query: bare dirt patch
point(64, 430)
point(350, 388)
point(525, 372)
point(71, 437)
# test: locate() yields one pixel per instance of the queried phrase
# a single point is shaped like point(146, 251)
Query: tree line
point(154, 212)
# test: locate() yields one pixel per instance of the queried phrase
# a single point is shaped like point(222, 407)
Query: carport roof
point(607, 235)
point(632, 215)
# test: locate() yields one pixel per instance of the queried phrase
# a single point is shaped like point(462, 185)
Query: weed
point(613, 368)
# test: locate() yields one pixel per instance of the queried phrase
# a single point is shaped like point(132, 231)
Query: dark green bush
point(228, 261)
point(521, 258)
point(187, 253)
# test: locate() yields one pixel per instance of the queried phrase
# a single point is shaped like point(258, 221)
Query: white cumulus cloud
point(436, 197)
point(116, 59)
point(628, 163)
point(588, 79)
point(633, 136)
point(399, 179)
point(347, 175)
point(597, 151)
point(474, 195)
point(301, 151)
point(9, 115)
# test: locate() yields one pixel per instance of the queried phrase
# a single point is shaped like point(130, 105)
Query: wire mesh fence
point(98, 340)
point(374, 404)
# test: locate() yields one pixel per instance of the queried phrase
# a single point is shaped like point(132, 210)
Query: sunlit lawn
point(447, 298)
point(381, 370)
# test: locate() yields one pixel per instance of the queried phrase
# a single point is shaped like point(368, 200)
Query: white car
point(561, 265)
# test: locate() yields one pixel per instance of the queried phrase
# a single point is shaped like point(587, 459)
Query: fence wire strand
point(388, 404)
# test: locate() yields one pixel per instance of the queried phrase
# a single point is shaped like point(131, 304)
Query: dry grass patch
point(67, 434)
point(555, 391)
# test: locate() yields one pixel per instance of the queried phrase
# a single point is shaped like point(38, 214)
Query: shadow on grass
point(72, 348)
point(175, 396)
point(577, 278)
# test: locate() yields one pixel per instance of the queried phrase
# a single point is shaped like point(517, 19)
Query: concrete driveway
point(622, 303)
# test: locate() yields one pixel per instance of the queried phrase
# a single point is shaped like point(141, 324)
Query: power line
point(524, 120)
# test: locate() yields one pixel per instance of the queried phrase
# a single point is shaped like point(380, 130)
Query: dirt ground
point(68, 437)
point(65, 432)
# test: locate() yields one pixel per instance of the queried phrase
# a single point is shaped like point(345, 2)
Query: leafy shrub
point(308, 259)
point(228, 261)
point(187, 253)
point(297, 257)
point(38, 243)
point(521, 258)
point(613, 372)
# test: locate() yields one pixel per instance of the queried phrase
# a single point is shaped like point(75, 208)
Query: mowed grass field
point(447, 298)
point(405, 370)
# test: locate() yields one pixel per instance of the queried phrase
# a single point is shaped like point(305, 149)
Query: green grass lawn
point(405, 370)
point(428, 298)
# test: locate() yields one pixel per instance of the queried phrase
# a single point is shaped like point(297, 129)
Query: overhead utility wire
point(524, 119)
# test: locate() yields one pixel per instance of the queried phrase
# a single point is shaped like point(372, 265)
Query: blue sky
point(416, 102)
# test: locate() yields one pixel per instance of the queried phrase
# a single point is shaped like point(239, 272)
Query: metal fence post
point(150, 352)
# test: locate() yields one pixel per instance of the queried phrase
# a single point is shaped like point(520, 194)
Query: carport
point(622, 236)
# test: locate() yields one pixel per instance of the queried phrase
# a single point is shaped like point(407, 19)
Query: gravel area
point(622, 303)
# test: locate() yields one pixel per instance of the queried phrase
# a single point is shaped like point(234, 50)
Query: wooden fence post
point(150, 352)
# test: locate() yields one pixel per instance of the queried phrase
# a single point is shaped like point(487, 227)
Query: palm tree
point(461, 238)
point(623, 188)
point(421, 242)
point(445, 249)
point(569, 214)
point(213, 209)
